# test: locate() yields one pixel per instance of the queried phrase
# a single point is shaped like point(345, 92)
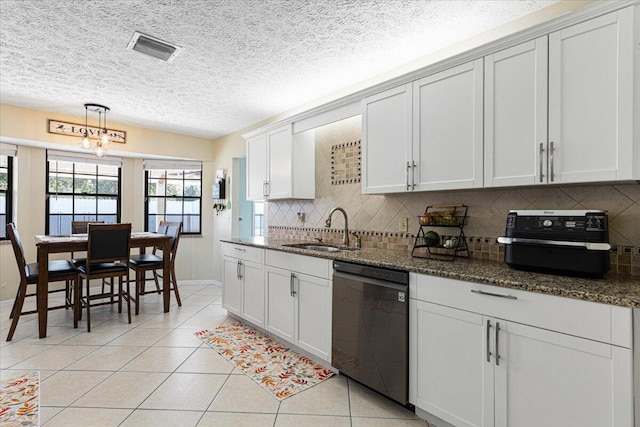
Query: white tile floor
point(155, 372)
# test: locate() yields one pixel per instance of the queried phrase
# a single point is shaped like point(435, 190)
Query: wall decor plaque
point(77, 130)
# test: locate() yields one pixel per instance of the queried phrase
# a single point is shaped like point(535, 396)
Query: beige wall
point(194, 256)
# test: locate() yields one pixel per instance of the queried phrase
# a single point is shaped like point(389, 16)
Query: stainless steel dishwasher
point(370, 327)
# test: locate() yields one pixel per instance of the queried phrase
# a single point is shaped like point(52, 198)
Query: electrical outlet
point(404, 225)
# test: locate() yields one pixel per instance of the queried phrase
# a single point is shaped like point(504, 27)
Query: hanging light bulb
point(102, 133)
point(85, 140)
point(99, 150)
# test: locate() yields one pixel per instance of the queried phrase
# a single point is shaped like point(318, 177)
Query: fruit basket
point(436, 246)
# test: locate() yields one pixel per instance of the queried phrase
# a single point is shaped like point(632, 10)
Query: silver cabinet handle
point(238, 270)
point(413, 176)
point(497, 348)
point(407, 175)
point(481, 292)
point(541, 154)
point(488, 340)
point(240, 276)
point(551, 171)
point(240, 249)
point(292, 288)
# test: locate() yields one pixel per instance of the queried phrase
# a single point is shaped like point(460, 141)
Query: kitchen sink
point(316, 247)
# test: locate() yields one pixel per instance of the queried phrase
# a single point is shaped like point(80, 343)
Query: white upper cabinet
point(280, 165)
point(591, 100)
point(256, 166)
point(387, 141)
point(515, 115)
point(426, 135)
point(447, 129)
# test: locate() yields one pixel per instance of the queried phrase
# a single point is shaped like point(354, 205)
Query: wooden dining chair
point(152, 262)
point(59, 271)
point(80, 227)
point(108, 249)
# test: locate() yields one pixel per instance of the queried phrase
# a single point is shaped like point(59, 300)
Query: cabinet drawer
point(600, 322)
point(312, 266)
point(245, 253)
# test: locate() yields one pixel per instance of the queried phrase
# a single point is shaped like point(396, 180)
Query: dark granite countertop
point(614, 289)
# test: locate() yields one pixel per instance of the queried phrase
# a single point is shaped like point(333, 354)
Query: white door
point(253, 293)
point(280, 168)
point(256, 166)
point(545, 378)
point(591, 100)
point(515, 115)
point(231, 285)
point(280, 303)
point(314, 315)
point(447, 123)
point(386, 141)
point(453, 379)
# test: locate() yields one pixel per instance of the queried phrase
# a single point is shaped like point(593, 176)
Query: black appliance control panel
point(586, 226)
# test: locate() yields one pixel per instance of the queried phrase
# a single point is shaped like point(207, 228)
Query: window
point(173, 192)
point(81, 189)
point(6, 188)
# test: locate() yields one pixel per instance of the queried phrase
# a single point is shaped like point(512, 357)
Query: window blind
point(8, 149)
point(158, 164)
point(70, 156)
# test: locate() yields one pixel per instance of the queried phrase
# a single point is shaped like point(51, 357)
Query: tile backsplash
point(377, 217)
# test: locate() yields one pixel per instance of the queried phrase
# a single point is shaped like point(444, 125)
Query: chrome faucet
point(327, 224)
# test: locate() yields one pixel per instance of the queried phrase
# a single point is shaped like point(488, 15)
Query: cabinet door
point(447, 123)
point(256, 166)
point(280, 169)
point(386, 141)
point(450, 375)
point(515, 115)
point(591, 100)
point(314, 315)
point(548, 378)
point(253, 293)
point(231, 286)
point(280, 304)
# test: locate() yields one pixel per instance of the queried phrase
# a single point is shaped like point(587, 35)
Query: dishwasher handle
point(369, 280)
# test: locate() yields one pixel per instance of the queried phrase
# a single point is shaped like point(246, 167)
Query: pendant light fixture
point(96, 139)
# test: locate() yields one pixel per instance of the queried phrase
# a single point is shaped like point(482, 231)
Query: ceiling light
point(96, 140)
point(153, 46)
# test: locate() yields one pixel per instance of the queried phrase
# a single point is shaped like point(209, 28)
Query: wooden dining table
point(77, 243)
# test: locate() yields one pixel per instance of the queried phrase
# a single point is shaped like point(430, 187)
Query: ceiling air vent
point(153, 46)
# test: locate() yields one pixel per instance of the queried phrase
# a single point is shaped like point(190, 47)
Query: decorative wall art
point(346, 163)
point(77, 130)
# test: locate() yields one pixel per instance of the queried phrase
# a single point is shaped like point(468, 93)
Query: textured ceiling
point(242, 60)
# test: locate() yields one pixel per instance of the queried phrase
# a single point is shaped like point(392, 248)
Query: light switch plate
point(404, 225)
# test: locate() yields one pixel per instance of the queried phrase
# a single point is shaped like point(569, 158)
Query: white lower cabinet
point(471, 368)
point(299, 304)
point(243, 282)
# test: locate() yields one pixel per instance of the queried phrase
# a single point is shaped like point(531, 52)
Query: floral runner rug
point(279, 370)
point(20, 401)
